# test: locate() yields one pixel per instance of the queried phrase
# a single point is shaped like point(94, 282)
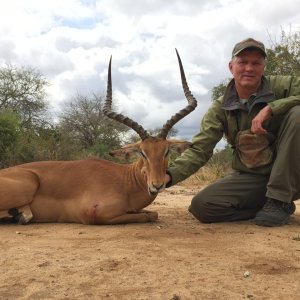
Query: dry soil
point(174, 258)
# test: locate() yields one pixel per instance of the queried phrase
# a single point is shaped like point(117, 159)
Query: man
point(260, 117)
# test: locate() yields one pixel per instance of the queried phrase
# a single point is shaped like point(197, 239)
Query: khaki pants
point(240, 196)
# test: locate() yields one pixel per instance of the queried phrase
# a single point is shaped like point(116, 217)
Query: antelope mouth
point(152, 193)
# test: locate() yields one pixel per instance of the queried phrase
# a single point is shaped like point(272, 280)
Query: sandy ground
point(174, 258)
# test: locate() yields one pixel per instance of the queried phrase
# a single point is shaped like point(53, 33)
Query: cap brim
point(250, 47)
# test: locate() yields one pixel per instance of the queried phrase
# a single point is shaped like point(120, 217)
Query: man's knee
point(208, 210)
point(215, 209)
point(198, 209)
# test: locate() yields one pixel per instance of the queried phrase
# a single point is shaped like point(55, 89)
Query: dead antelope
point(95, 191)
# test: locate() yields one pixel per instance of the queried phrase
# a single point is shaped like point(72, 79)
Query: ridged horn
point(107, 110)
point(192, 103)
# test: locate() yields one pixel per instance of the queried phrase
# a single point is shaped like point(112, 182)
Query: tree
point(23, 105)
point(219, 90)
point(9, 134)
point(284, 56)
point(83, 121)
point(22, 90)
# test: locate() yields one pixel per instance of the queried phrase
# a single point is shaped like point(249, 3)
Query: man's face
point(247, 69)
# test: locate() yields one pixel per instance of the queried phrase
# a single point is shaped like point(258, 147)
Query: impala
point(95, 191)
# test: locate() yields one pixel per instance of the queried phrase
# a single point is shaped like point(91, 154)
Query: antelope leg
point(138, 217)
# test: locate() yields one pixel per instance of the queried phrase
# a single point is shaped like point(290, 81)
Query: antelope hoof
point(23, 219)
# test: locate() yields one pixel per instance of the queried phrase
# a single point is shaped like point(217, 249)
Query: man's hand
point(258, 122)
point(167, 178)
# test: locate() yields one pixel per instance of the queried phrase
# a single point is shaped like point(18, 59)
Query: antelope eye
point(167, 152)
point(143, 154)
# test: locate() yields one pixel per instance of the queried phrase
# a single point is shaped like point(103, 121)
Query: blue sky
point(70, 43)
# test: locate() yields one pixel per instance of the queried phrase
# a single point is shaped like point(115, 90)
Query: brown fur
point(88, 191)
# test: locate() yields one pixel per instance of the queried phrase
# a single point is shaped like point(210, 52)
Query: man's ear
point(179, 146)
point(126, 152)
point(230, 67)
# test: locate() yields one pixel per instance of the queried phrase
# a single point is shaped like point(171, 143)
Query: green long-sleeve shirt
point(227, 115)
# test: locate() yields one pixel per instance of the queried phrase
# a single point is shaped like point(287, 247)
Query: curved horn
point(192, 103)
point(107, 110)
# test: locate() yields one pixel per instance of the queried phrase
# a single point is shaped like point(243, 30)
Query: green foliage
point(23, 114)
point(46, 143)
point(283, 58)
point(219, 90)
point(22, 90)
point(27, 134)
point(9, 129)
point(101, 150)
point(221, 160)
point(9, 134)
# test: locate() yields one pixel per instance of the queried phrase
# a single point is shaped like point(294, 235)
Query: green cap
point(247, 44)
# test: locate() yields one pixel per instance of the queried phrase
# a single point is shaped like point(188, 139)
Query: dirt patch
point(174, 258)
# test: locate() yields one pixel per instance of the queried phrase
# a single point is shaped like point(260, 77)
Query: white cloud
point(71, 41)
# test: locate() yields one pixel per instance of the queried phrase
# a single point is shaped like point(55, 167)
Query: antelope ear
point(179, 146)
point(126, 152)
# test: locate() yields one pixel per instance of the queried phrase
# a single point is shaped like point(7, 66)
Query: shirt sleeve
point(204, 142)
point(287, 93)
